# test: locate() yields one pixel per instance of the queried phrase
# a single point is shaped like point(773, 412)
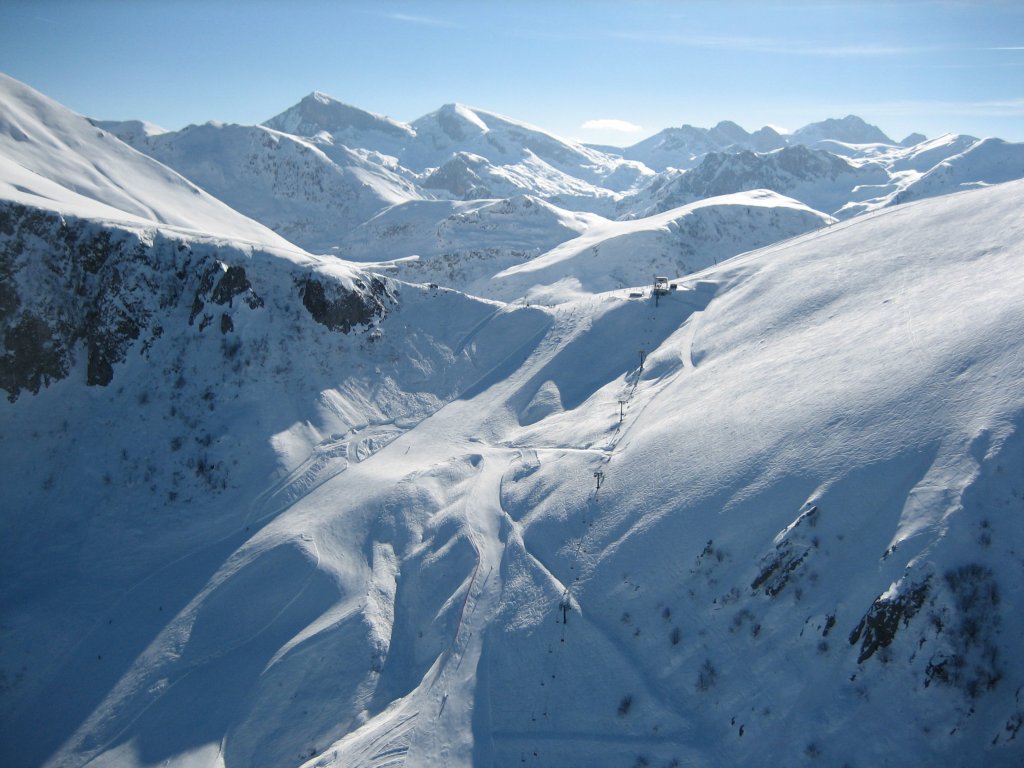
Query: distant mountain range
point(325, 175)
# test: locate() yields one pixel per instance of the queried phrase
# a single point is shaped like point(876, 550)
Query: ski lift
point(661, 286)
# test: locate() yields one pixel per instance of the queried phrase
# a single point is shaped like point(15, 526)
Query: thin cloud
point(987, 108)
point(767, 45)
point(610, 124)
point(425, 21)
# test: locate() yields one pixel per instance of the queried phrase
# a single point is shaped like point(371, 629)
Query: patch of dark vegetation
point(879, 625)
point(830, 621)
point(624, 705)
point(707, 676)
point(970, 661)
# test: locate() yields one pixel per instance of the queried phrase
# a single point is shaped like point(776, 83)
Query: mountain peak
point(456, 122)
point(318, 112)
point(849, 130)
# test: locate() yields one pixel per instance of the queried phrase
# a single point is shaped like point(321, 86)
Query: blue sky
point(565, 66)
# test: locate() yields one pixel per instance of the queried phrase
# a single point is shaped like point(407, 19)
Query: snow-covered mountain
point(525, 247)
point(471, 177)
point(52, 158)
point(988, 161)
point(311, 193)
point(611, 255)
point(463, 244)
point(822, 180)
point(319, 114)
point(685, 147)
point(269, 508)
point(502, 140)
point(849, 130)
point(324, 174)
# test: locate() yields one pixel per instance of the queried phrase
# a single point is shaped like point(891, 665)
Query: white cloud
point(610, 124)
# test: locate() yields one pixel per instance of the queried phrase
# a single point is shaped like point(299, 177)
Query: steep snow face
point(126, 284)
point(789, 530)
point(319, 113)
point(52, 158)
point(794, 541)
point(822, 180)
point(310, 193)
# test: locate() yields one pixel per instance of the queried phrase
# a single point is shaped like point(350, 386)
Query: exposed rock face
point(232, 282)
point(879, 626)
point(342, 310)
point(70, 287)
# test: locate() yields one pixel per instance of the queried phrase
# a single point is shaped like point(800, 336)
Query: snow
point(310, 193)
point(57, 160)
point(287, 545)
point(622, 254)
point(989, 161)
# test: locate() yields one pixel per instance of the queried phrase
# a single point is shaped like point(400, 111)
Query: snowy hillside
point(462, 244)
point(681, 241)
point(381, 540)
point(54, 159)
point(524, 247)
point(267, 508)
point(989, 161)
point(470, 177)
